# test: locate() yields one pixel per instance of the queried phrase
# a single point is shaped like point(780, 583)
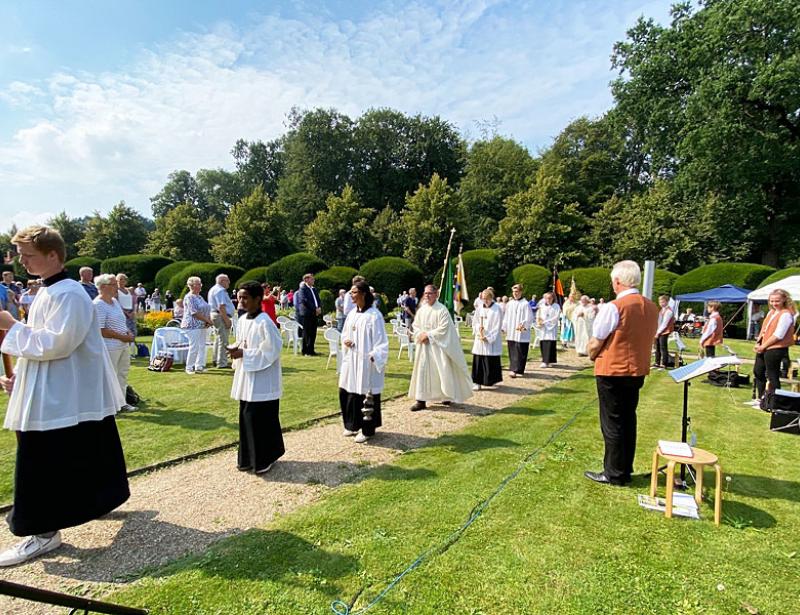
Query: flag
point(461, 294)
point(446, 294)
point(558, 290)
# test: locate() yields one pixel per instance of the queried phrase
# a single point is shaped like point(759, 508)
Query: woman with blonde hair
point(196, 318)
point(772, 345)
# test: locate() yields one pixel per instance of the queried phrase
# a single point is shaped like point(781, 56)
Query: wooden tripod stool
point(698, 461)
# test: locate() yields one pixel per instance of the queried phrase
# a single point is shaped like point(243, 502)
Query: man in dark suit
point(309, 307)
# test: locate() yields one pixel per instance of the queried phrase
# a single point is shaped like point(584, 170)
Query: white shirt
point(786, 321)
point(64, 374)
point(349, 304)
point(607, 319)
point(491, 318)
point(218, 296)
point(547, 317)
point(364, 364)
point(125, 300)
point(257, 375)
point(711, 326)
point(518, 314)
point(664, 318)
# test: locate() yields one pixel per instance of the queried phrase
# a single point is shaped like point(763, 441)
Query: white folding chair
point(328, 321)
point(404, 338)
point(334, 337)
point(291, 330)
point(281, 319)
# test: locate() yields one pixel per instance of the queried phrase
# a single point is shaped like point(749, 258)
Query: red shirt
point(268, 307)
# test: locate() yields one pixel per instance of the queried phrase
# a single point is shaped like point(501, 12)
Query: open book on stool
point(675, 449)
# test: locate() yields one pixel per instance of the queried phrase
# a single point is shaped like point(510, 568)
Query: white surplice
point(517, 321)
point(547, 319)
point(581, 318)
point(440, 370)
point(64, 374)
point(491, 319)
point(364, 364)
point(257, 375)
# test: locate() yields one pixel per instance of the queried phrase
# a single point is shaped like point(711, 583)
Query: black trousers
point(662, 350)
point(309, 323)
point(548, 348)
point(352, 417)
point(710, 351)
point(517, 356)
point(619, 397)
point(768, 369)
point(260, 436)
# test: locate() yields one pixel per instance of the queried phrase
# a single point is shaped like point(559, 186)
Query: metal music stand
point(689, 372)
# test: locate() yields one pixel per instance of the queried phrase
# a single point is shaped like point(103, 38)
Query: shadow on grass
point(336, 473)
point(525, 411)
point(742, 516)
point(160, 415)
point(458, 442)
point(764, 487)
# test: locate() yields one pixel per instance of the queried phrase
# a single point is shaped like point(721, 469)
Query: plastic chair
point(281, 319)
point(334, 337)
point(173, 323)
point(404, 337)
point(328, 321)
point(172, 340)
point(291, 329)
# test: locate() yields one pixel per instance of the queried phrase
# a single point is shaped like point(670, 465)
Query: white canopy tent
point(761, 295)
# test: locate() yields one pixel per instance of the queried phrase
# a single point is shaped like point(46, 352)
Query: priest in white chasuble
point(257, 383)
point(440, 370)
point(488, 343)
point(517, 323)
point(64, 394)
point(365, 351)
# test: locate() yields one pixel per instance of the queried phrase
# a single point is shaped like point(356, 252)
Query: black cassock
point(517, 356)
point(260, 436)
point(351, 405)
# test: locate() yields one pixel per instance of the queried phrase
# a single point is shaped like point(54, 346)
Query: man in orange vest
point(712, 330)
point(622, 337)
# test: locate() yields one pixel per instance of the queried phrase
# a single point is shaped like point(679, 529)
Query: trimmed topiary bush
point(207, 272)
point(536, 280)
point(482, 268)
point(327, 299)
point(165, 274)
point(745, 275)
point(74, 265)
point(256, 274)
point(138, 267)
point(663, 283)
point(390, 275)
point(780, 275)
point(288, 272)
point(592, 281)
point(335, 278)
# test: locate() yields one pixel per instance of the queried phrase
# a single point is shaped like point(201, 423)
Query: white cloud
point(183, 104)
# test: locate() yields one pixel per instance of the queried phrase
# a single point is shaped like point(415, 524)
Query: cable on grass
point(339, 607)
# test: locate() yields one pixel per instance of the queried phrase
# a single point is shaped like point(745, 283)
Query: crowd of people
point(75, 328)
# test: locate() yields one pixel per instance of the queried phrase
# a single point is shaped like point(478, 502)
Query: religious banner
point(461, 294)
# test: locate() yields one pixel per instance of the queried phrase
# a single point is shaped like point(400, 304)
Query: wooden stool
point(699, 459)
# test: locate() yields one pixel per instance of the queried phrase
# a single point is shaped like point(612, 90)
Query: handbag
point(162, 362)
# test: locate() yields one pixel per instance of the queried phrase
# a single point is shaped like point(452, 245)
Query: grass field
point(551, 542)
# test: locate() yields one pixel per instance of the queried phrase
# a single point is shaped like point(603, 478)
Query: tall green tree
point(255, 233)
point(342, 232)
point(219, 190)
point(259, 164)
point(71, 229)
point(123, 231)
point(180, 188)
point(712, 101)
point(180, 236)
point(429, 215)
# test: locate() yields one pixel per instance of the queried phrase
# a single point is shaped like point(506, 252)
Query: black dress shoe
point(600, 477)
point(420, 405)
point(446, 402)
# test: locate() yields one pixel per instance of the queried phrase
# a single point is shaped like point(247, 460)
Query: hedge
point(74, 265)
point(207, 272)
point(745, 275)
point(482, 269)
point(779, 275)
point(256, 274)
point(138, 267)
point(535, 280)
point(165, 274)
point(335, 278)
point(391, 275)
point(663, 283)
point(592, 281)
point(288, 272)
point(328, 301)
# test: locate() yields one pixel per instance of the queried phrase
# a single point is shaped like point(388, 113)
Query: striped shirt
point(111, 317)
point(194, 304)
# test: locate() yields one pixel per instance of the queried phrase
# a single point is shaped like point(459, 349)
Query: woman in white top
point(114, 329)
point(488, 343)
point(127, 301)
point(547, 319)
point(582, 316)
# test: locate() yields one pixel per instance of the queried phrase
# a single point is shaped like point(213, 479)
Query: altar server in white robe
point(440, 370)
point(488, 343)
point(547, 320)
point(582, 317)
point(365, 351)
point(64, 394)
point(517, 323)
point(257, 383)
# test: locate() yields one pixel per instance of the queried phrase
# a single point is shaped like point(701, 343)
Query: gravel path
point(183, 509)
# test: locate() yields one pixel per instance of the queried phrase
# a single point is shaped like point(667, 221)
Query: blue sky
point(99, 101)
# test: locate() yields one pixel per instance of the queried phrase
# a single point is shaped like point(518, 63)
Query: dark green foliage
point(74, 265)
point(256, 274)
point(391, 275)
point(165, 274)
point(383, 305)
point(482, 269)
point(336, 278)
point(327, 299)
point(780, 275)
point(536, 280)
point(592, 281)
point(289, 271)
point(745, 275)
point(663, 283)
point(207, 272)
point(138, 267)
point(71, 230)
point(123, 231)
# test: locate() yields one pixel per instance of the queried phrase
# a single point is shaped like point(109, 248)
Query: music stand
point(689, 372)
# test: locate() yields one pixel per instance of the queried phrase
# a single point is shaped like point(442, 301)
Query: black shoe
point(420, 405)
point(447, 402)
point(600, 477)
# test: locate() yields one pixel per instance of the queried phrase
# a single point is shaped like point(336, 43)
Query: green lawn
point(551, 542)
